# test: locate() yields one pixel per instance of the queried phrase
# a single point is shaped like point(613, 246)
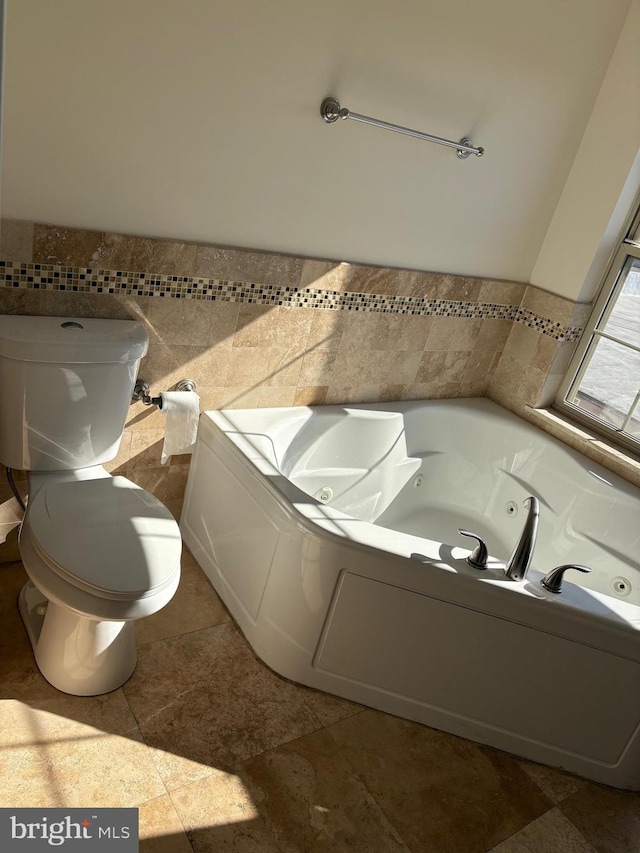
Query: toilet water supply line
point(15, 491)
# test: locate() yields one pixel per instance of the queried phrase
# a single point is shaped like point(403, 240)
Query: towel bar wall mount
point(331, 111)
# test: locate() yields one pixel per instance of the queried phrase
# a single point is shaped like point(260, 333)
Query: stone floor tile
point(443, 794)
point(52, 760)
point(204, 697)
point(555, 784)
point(550, 833)
point(609, 819)
point(194, 606)
point(301, 796)
point(160, 828)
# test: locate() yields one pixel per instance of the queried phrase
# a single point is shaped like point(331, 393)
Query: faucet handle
point(552, 581)
point(478, 559)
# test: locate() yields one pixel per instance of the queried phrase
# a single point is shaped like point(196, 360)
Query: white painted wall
point(199, 119)
point(602, 183)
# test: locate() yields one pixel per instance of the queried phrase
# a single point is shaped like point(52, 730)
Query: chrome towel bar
point(331, 111)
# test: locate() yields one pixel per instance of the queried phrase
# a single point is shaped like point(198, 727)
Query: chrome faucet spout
point(519, 562)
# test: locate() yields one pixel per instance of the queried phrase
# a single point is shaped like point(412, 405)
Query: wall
point(200, 120)
point(603, 181)
point(262, 329)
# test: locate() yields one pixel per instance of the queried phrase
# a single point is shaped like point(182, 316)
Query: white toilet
point(100, 552)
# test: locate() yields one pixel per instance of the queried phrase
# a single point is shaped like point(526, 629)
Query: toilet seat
point(106, 536)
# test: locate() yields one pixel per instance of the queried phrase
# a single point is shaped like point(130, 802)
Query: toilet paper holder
point(142, 392)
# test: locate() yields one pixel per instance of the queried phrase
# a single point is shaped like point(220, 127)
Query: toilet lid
point(107, 535)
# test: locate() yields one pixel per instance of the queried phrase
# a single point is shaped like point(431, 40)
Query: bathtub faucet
point(519, 562)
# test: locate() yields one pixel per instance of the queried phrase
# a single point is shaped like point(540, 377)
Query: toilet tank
point(65, 389)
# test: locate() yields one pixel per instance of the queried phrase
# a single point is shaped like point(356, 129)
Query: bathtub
point(331, 534)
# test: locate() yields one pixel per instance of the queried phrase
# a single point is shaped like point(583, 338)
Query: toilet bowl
point(100, 551)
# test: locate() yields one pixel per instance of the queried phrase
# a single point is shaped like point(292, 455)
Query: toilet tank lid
point(71, 340)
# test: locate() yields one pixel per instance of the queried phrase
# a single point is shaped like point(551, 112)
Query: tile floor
point(219, 754)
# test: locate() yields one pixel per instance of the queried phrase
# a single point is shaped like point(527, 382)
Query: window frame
point(627, 247)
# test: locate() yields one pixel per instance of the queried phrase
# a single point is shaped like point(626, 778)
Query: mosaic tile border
point(50, 277)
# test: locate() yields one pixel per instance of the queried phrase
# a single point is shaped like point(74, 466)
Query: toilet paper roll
point(182, 409)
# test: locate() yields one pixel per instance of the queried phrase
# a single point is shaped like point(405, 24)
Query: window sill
point(592, 445)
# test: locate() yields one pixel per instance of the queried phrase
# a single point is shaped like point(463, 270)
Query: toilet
point(100, 551)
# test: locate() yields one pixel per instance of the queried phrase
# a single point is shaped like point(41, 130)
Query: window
point(602, 386)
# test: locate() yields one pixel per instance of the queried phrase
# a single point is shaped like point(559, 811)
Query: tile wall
point(260, 329)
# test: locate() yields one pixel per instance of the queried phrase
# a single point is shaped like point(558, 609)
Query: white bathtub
point(367, 594)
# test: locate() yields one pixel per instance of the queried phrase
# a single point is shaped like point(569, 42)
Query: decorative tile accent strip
point(86, 280)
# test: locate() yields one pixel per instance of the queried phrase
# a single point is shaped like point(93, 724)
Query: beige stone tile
point(401, 332)
point(607, 818)
point(312, 395)
point(474, 389)
point(246, 265)
point(555, 784)
point(356, 278)
point(531, 347)
point(211, 397)
point(277, 395)
point(441, 368)
point(16, 240)
point(175, 507)
point(390, 393)
point(194, 606)
point(580, 314)
point(416, 391)
point(192, 322)
point(52, 759)
point(368, 393)
point(317, 367)
point(293, 326)
point(160, 828)
point(506, 398)
point(355, 368)
point(166, 483)
point(326, 328)
point(493, 335)
point(19, 301)
point(395, 368)
point(548, 305)
point(518, 379)
point(257, 326)
point(204, 365)
point(248, 367)
point(440, 792)
point(550, 833)
point(203, 701)
point(66, 246)
point(146, 418)
point(459, 289)
point(300, 796)
point(359, 332)
point(285, 364)
point(324, 275)
point(145, 449)
point(329, 709)
point(453, 333)
point(100, 250)
point(240, 397)
point(480, 366)
point(501, 292)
